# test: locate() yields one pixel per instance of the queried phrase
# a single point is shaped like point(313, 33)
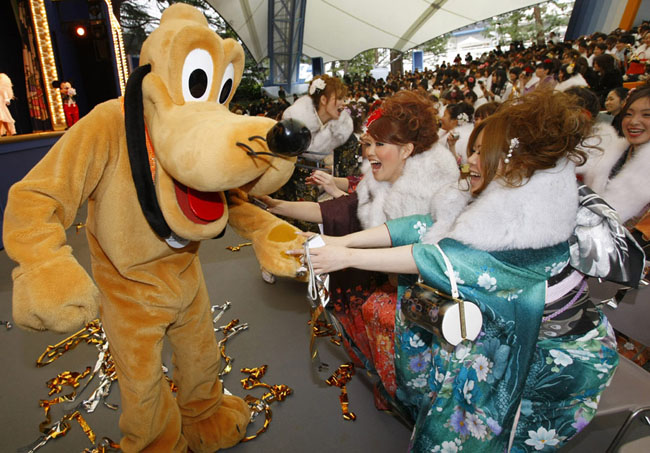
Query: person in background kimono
point(533, 377)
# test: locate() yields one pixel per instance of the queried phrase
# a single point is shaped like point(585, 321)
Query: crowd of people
point(462, 187)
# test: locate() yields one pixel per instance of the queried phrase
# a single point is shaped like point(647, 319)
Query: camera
point(257, 202)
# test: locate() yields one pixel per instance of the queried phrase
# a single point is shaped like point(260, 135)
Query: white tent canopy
point(341, 29)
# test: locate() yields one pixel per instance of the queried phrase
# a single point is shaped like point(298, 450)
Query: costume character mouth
point(199, 207)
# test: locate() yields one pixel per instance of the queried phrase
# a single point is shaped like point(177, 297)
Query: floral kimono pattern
point(467, 397)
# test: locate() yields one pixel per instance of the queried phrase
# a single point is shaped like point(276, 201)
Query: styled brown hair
point(333, 86)
point(548, 127)
point(633, 96)
point(485, 110)
point(407, 117)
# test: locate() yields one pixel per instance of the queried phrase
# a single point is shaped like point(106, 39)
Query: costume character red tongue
point(199, 207)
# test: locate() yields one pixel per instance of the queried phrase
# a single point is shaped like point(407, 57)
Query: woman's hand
point(324, 181)
point(329, 240)
point(452, 138)
point(330, 258)
point(271, 203)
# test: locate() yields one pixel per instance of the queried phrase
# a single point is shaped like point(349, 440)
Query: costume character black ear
point(137, 146)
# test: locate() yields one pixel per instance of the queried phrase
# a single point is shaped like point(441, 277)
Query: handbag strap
point(454, 292)
point(312, 289)
point(450, 273)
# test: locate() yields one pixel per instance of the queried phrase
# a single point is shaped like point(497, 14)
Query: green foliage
point(529, 24)
point(138, 21)
point(249, 89)
point(362, 63)
point(436, 46)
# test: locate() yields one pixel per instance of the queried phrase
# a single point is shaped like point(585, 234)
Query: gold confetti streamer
point(237, 248)
point(275, 393)
point(340, 379)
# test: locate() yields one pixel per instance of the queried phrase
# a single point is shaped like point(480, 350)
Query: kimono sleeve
point(408, 230)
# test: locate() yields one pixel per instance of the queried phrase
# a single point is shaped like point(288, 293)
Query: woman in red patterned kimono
point(406, 171)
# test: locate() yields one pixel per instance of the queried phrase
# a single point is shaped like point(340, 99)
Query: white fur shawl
point(428, 185)
point(628, 191)
point(575, 81)
point(324, 138)
point(538, 214)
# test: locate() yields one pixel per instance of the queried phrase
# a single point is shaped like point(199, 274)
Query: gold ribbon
point(87, 334)
point(340, 379)
point(275, 393)
point(237, 248)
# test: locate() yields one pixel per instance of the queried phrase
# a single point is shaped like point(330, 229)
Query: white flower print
point(510, 294)
point(418, 382)
point(447, 447)
point(459, 280)
point(415, 341)
point(602, 367)
point(462, 351)
point(556, 268)
point(475, 425)
point(560, 358)
point(482, 367)
point(486, 281)
point(581, 354)
point(421, 227)
point(541, 438)
point(467, 391)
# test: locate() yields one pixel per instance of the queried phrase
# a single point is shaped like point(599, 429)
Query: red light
point(80, 31)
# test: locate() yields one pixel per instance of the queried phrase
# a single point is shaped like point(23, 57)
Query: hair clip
point(374, 116)
point(317, 84)
point(514, 144)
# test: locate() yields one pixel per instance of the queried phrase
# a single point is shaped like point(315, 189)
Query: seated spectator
point(569, 77)
point(609, 77)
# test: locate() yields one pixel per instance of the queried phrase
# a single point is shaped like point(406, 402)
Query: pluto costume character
point(144, 286)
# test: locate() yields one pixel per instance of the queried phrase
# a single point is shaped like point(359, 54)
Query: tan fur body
point(143, 288)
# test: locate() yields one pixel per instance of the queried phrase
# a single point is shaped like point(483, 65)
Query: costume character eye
point(197, 76)
point(227, 83)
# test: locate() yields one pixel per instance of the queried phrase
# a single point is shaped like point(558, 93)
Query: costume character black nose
point(288, 137)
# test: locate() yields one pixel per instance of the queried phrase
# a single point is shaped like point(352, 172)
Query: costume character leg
point(211, 420)
point(150, 420)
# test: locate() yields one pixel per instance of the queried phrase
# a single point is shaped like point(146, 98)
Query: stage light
point(80, 31)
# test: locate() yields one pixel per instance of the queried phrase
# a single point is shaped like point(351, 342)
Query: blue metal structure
point(285, 34)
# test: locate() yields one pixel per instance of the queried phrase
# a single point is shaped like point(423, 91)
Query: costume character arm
point(51, 289)
point(271, 236)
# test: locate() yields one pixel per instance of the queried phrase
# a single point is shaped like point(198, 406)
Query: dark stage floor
point(307, 421)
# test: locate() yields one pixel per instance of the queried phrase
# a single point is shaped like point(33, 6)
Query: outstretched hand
point(271, 203)
point(325, 181)
point(329, 258)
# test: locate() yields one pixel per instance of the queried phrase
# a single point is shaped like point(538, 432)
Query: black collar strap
point(138, 157)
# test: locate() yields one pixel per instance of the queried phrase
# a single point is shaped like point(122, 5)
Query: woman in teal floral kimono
point(534, 375)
